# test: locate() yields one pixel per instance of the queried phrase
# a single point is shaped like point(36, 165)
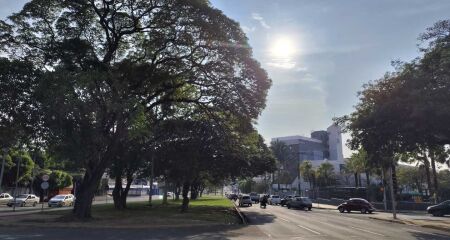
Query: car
point(274, 200)
point(285, 200)
point(440, 209)
point(5, 198)
point(23, 200)
point(232, 196)
point(61, 200)
point(245, 200)
point(300, 203)
point(356, 204)
point(254, 197)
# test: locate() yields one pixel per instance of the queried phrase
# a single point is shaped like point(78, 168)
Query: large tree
point(102, 61)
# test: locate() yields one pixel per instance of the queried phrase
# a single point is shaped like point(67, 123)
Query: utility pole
point(391, 182)
point(298, 176)
point(384, 188)
point(151, 180)
point(5, 151)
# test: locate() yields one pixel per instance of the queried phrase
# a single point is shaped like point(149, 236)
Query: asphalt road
point(275, 222)
point(281, 223)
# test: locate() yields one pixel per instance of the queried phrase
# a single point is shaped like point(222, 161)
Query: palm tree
point(356, 164)
point(307, 171)
point(325, 174)
point(281, 152)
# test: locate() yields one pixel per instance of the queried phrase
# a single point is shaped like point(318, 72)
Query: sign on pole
point(44, 185)
point(45, 178)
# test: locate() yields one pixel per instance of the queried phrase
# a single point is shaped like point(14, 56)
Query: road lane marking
point(367, 231)
point(309, 229)
point(284, 219)
point(413, 230)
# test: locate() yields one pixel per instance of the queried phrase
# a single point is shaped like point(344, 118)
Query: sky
point(319, 53)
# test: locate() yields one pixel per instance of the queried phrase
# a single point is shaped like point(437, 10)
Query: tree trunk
point(367, 179)
point(356, 179)
point(85, 192)
point(177, 191)
point(435, 178)
point(427, 173)
point(119, 194)
point(194, 191)
point(185, 203)
point(359, 178)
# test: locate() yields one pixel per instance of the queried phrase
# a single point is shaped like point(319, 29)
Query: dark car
point(440, 210)
point(356, 204)
point(254, 197)
point(286, 199)
point(300, 203)
point(233, 196)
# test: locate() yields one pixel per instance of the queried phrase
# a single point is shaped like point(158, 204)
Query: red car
point(356, 204)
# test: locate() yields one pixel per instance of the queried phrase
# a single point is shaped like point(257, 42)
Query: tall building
point(320, 147)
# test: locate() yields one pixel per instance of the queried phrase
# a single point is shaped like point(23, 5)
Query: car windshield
point(305, 199)
point(275, 196)
point(59, 197)
point(245, 197)
point(22, 196)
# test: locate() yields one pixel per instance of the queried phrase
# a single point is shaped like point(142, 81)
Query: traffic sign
point(45, 178)
point(44, 185)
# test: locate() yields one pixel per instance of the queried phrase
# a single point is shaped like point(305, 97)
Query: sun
point(283, 47)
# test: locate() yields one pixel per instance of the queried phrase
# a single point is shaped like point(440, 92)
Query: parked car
point(232, 196)
point(245, 200)
point(440, 209)
point(300, 203)
point(285, 200)
point(61, 200)
point(5, 198)
point(24, 200)
point(356, 204)
point(254, 197)
point(274, 200)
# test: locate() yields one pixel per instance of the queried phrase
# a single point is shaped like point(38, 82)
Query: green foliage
point(58, 180)
point(25, 169)
point(325, 175)
point(308, 173)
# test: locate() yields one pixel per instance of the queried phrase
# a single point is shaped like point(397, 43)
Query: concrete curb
point(241, 215)
point(400, 221)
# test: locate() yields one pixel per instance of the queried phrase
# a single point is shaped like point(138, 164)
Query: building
point(320, 147)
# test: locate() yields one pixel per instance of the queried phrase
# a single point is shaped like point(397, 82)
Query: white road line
point(367, 231)
point(270, 236)
point(309, 229)
point(413, 230)
point(284, 219)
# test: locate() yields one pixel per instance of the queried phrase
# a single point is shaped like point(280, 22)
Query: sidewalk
point(324, 206)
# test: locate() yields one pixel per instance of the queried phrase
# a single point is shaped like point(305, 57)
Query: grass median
point(208, 210)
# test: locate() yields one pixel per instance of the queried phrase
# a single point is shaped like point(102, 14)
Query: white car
point(5, 198)
point(61, 200)
point(24, 200)
point(274, 200)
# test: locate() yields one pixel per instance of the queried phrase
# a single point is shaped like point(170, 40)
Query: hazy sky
point(320, 52)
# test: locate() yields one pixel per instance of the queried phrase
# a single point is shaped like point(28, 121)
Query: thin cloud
point(248, 29)
point(260, 19)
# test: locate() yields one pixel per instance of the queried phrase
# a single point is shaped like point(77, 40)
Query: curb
point(241, 215)
point(446, 229)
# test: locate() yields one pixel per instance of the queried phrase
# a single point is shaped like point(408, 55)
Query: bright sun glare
point(283, 47)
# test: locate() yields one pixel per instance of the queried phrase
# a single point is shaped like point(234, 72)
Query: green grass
point(210, 209)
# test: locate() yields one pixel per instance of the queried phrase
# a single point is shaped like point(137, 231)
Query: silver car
point(24, 200)
point(61, 200)
point(245, 200)
point(5, 198)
